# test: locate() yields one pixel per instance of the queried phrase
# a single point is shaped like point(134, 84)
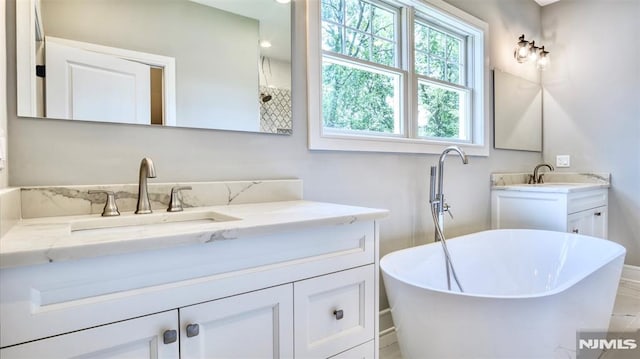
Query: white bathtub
point(527, 293)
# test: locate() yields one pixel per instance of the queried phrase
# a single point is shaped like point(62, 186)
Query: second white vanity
point(260, 274)
point(576, 203)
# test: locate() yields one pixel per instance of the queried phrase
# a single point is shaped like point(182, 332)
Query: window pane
point(360, 29)
point(421, 38)
point(332, 11)
point(358, 45)
point(438, 54)
point(384, 23)
point(453, 49)
point(436, 68)
point(422, 63)
point(359, 100)
point(383, 52)
point(441, 112)
point(453, 73)
point(437, 43)
point(331, 37)
point(358, 15)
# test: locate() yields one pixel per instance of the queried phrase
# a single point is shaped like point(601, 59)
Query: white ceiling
point(545, 2)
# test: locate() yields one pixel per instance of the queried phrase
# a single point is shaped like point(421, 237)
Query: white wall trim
point(388, 338)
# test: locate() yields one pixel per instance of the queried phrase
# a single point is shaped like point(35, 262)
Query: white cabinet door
point(334, 312)
point(136, 338)
point(253, 325)
point(592, 222)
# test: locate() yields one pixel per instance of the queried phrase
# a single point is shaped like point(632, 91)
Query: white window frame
point(478, 78)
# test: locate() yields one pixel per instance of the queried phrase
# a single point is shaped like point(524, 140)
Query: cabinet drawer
point(334, 312)
point(580, 201)
point(362, 351)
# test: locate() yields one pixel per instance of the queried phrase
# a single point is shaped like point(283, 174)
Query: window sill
point(390, 144)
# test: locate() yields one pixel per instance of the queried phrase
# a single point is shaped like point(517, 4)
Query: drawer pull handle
point(598, 214)
point(575, 230)
point(193, 330)
point(169, 336)
point(339, 314)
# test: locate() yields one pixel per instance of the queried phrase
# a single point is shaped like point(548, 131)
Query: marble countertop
point(61, 238)
point(555, 182)
point(552, 187)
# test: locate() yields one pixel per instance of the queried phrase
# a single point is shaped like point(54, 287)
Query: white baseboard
point(631, 273)
point(388, 338)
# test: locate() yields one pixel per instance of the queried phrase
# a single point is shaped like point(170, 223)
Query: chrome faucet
point(437, 199)
point(537, 178)
point(147, 170)
point(438, 207)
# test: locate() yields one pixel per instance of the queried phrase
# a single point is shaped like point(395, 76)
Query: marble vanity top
point(553, 182)
point(61, 223)
point(51, 239)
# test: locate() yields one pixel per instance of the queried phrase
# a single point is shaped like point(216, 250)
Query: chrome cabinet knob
point(110, 207)
point(175, 202)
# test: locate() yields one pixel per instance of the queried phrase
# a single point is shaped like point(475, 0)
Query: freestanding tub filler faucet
point(147, 170)
point(438, 207)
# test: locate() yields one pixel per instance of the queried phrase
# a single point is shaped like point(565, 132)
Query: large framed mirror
point(517, 113)
point(215, 64)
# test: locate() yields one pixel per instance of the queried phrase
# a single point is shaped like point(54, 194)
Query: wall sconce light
point(526, 51)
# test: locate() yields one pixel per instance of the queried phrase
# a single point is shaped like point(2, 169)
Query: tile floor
point(625, 317)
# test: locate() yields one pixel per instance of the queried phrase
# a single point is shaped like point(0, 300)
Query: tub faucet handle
point(110, 206)
point(447, 208)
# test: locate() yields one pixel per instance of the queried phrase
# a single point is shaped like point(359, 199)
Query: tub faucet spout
point(147, 170)
point(437, 196)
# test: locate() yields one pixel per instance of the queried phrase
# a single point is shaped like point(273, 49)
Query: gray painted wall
point(592, 101)
point(49, 152)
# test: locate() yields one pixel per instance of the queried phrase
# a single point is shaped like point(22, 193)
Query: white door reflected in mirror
point(90, 86)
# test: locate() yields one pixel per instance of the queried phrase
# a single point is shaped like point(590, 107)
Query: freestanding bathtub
point(527, 294)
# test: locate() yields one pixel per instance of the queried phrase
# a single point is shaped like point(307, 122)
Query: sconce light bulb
point(543, 61)
point(521, 51)
point(265, 44)
point(283, 1)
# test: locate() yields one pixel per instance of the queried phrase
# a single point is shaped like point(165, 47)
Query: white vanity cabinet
point(584, 212)
point(307, 292)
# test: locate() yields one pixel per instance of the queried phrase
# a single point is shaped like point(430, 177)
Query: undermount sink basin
point(132, 221)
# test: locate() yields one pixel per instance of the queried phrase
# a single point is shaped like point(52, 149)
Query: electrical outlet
point(563, 161)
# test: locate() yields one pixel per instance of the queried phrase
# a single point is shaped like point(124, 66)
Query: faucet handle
point(447, 208)
point(175, 203)
point(110, 207)
point(541, 178)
